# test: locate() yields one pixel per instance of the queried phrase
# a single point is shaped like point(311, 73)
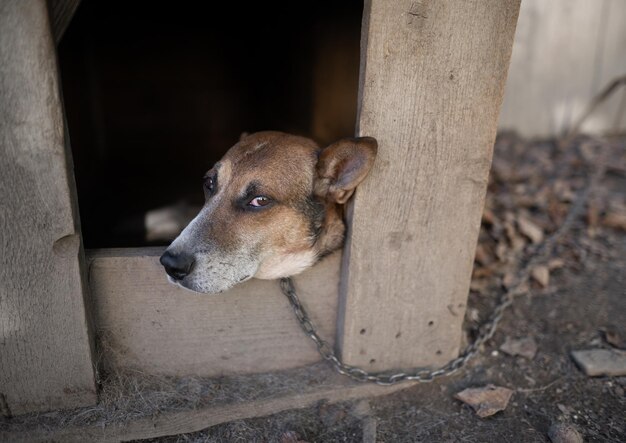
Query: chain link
point(486, 331)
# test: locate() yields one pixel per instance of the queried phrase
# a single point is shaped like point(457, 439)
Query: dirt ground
point(585, 296)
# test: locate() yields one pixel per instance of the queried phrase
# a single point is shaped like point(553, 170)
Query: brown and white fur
point(274, 207)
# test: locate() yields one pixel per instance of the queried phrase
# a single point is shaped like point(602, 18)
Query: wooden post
point(432, 78)
point(45, 358)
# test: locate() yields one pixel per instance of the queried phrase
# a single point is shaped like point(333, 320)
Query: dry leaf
point(509, 280)
point(479, 286)
point(557, 211)
point(482, 255)
point(612, 337)
point(541, 274)
point(502, 251)
point(526, 201)
point(530, 230)
point(482, 272)
point(524, 347)
point(510, 230)
point(564, 433)
point(518, 244)
point(485, 401)
point(472, 314)
point(556, 263)
point(615, 220)
point(564, 191)
point(593, 214)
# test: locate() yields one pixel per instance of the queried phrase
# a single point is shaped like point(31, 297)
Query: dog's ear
point(342, 166)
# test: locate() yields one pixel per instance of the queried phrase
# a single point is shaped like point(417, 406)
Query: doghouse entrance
point(154, 96)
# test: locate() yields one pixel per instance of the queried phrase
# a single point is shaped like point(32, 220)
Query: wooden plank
point(565, 52)
point(45, 357)
point(148, 324)
point(319, 385)
point(431, 85)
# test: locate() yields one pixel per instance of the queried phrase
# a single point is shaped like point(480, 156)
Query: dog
point(273, 208)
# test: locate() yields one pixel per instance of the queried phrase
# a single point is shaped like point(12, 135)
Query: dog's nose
point(177, 266)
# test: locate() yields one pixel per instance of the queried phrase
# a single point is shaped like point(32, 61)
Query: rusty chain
point(485, 331)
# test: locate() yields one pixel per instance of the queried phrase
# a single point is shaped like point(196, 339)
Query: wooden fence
point(566, 52)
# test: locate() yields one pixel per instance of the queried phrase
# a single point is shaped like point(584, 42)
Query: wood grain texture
point(45, 358)
point(319, 386)
point(148, 324)
point(432, 78)
point(565, 52)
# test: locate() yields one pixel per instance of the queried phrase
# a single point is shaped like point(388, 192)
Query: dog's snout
point(177, 266)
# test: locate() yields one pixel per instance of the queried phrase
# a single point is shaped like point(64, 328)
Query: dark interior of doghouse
point(156, 93)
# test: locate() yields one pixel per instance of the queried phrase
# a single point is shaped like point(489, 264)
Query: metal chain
point(485, 331)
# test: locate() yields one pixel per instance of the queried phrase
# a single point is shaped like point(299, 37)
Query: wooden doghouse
point(431, 81)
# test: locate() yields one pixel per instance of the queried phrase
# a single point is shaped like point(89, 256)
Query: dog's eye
point(210, 184)
point(259, 202)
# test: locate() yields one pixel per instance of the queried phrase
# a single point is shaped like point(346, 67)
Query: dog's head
point(273, 208)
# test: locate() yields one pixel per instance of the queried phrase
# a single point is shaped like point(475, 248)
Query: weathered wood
point(432, 78)
point(320, 385)
point(146, 323)
point(45, 358)
point(565, 52)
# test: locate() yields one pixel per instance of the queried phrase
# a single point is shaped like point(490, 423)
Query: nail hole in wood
point(430, 323)
point(438, 352)
point(372, 361)
point(398, 334)
point(362, 331)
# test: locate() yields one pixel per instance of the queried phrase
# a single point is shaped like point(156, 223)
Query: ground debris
point(598, 362)
point(541, 274)
point(291, 437)
point(612, 337)
point(524, 347)
point(564, 433)
point(487, 400)
point(616, 220)
point(331, 414)
point(556, 263)
point(530, 230)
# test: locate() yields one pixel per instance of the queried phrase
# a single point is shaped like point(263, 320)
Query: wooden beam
point(432, 77)
point(148, 324)
point(306, 388)
point(45, 358)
